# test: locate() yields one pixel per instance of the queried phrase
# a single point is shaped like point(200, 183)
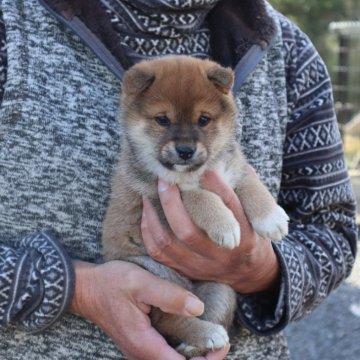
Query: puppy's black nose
point(185, 151)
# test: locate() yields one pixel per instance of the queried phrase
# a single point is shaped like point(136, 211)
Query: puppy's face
point(178, 112)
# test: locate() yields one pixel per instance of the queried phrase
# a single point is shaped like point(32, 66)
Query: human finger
point(215, 355)
point(152, 229)
point(176, 214)
point(164, 247)
point(251, 170)
point(168, 296)
point(160, 244)
point(186, 231)
point(152, 346)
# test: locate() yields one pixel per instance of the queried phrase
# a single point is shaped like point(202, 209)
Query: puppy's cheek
point(220, 138)
point(168, 152)
point(201, 152)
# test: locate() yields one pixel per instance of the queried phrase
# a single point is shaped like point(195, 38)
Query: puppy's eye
point(203, 120)
point(162, 120)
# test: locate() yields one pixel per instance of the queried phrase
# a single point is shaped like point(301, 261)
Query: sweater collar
point(153, 28)
point(236, 26)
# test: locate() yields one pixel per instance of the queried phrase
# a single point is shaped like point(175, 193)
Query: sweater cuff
point(267, 313)
point(42, 285)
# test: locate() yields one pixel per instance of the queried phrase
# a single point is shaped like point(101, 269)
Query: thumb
point(169, 297)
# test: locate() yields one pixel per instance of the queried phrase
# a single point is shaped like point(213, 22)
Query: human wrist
point(263, 271)
point(84, 272)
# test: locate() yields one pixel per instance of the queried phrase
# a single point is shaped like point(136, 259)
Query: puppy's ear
point(223, 78)
point(136, 80)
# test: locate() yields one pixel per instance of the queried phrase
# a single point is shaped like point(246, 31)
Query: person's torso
point(60, 141)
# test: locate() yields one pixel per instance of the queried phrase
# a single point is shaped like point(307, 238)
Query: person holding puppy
point(60, 138)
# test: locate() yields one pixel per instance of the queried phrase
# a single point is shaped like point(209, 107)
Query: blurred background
point(332, 331)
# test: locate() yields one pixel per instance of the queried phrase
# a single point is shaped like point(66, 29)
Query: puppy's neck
point(186, 180)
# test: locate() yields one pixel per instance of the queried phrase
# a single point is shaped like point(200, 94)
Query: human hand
point(118, 296)
point(251, 267)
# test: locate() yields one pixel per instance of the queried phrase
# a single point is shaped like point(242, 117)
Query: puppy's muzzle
point(183, 155)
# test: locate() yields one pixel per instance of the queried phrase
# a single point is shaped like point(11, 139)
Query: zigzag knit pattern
point(173, 30)
point(3, 57)
point(36, 282)
point(315, 191)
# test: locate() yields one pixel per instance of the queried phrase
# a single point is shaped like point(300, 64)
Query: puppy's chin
point(181, 167)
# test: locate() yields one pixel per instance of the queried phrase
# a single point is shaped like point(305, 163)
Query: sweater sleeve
point(36, 282)
point(36, 276)
point(319, 251)
point(3, 57)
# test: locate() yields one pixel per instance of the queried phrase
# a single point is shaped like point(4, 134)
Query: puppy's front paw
point(212, 339)
point(274, 226)
point(217, 338)
point(225, 234)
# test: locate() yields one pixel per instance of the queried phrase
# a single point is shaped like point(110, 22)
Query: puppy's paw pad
point(274, 226)
point(217, 339)
point(188, 350)
point(226, 235)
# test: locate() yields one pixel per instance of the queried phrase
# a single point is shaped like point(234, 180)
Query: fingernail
point(162, 185)
point(193, 306)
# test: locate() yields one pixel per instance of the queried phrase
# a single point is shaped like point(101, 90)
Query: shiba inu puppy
point(178, 119)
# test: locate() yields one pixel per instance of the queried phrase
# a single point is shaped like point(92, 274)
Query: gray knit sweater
point(59, 141)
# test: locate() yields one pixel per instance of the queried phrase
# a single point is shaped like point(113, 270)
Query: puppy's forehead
point(182, 77)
